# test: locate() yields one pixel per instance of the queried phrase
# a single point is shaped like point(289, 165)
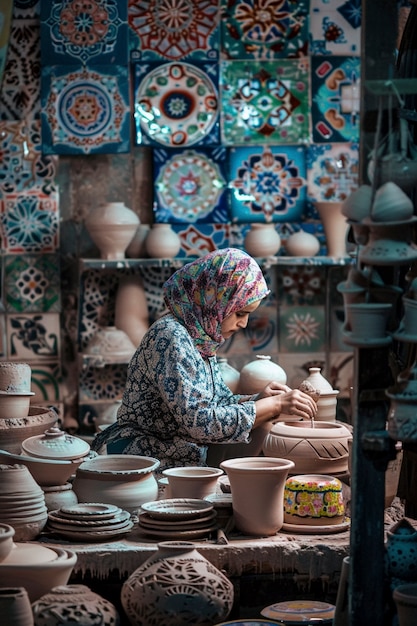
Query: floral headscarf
point(204, 292)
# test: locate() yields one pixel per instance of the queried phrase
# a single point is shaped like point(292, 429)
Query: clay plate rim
point(311, 529)
point(175, 508)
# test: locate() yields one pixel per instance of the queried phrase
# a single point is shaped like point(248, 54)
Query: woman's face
point(235, 321)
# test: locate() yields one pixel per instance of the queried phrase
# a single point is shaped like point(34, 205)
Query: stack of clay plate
point(22, 502)
point(177, 518)
point(89, 521)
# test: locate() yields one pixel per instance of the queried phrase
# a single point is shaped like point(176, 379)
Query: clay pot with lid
point(56, 444)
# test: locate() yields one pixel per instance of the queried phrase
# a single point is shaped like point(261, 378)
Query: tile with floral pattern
point(302, 329)
point(168, 30)
point(200, 239)
point(302, 285)
point(335, 27)
point(93, 32)
point(45, 382)
point(176, 104)
point(190, 185)
point(32, 283)
point(265, 102)
point(23, 164)
point(267, 184)
point(85, 110)
point(259, 337)
point(332, 171)
point(261, 29)
point(33, 337)
point(29, 222)
point(335, 99)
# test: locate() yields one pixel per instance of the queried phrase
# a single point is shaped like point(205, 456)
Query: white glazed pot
point(254, 376)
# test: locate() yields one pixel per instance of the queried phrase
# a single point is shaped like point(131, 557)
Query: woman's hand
point(273, 388)
point(298, 404)
point(277, 401)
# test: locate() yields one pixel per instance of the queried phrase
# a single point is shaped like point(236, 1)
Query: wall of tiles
point(212, 117)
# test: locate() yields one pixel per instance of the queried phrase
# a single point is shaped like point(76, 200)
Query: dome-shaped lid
point(29, 554)
point(55, 444)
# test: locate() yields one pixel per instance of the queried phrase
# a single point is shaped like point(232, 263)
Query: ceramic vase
point(112, 227)
point(162, 242)
point(137, 247)
point(302, 244)
point(257, 485)
point(255, 375)
point(405, 598)
point(327, 402)
point(176, 585)
point(131, 308)
point(335, 227)
point(401, 552)
point(230, 375)
point(15, 607)
point(67, 605)
point(262, 240)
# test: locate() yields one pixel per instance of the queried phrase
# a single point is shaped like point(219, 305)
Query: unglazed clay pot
point(110, 345)
point(256, 375)
point(175, 586)
point(57, 496)
point(335, 227)
point(192, 482)
point(302, 244)
point(15, 607)
point(327, 402)
point(131, 308)
point(15, 377)
point(323, 449)
point(67, 605)
point(112, 227)
point(15, 430)
point(7, 533)
point(257, 486)
point(405, 598)
point(124, 480)
point(262, 240)
point(162, 242)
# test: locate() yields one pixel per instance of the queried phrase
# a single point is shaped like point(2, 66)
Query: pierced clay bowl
point(192, 482)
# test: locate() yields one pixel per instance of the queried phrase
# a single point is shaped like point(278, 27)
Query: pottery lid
point(29, 554)
point(56, 444)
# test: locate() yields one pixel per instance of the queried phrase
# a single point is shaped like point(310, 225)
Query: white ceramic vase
point(335, 228)
point(255, 375)
point(257, 485)
point(230, 375)
point(302, 244)
point(262, 240)
point(177, 585)
point(112, 227)
point(162, 242)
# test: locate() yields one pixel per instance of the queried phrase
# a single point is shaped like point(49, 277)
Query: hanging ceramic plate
point(176, 104)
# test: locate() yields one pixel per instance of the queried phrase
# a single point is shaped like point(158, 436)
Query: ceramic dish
point(93, 535)
point(297, 612)
point(316, 529)
point(54, 516)
point(148, 521)
point(180, 535)
point(176, 508)
point(89, 510)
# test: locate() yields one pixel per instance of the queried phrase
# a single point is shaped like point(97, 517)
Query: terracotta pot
point(112, 227)
point(262, 240)
point(15, 430)
point(46, 472)
point(15, 607)
point(254, 376)
point(405, 598)
point(124, 480)
point(58, 496)
point(162, 242)
point(230, 375)
point(14, 405)
point(302, 244)
point(368, 320)
point(192, 482)
point(67, 605)
point(257, 486)
point(15, 377)
point(327, 402)
point(323, 449)
point(175, 586)
point(55, 444)
point(7, 533)
point(137, 247)
point(131, 308)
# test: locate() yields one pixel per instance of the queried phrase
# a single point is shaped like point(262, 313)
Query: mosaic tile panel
point(177, 104)
point(32, 283)
point(335, 27)
point(29, 222)
point(332, 171)
point(263, 102)
point(335, 99)
point(20, 88)
point(23, 164)
point(261, 29)
point(198, 240)
point(302, 329)
point(93, 32)
point(301, 285)
point(172, 30)
point(85, 110)
point(268, 184)
point(97, 300)
point(33, 337)
point(190, 185)
point(46, 382)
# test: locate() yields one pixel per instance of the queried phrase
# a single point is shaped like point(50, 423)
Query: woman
point(175, 403)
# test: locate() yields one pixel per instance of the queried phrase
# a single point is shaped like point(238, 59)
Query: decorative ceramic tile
point(85, 111)
point(169, 30)
point(335, 100)
point(335, 27)
point(268, 184)
point(29, 222)
point(26, 8)
point(45, 382)
point(302, 285)
point(332, 171)
point(176, 104)
point(33, 337)
point(265, 102)
point(93, 32)
point(259, 337)
point(198, 240)
point(102, 383)
point(302, 329)
point(261, 29)
point(97, 299)
point(32, 283)
point(20, 89)
point(23, 164)
point(190, 185)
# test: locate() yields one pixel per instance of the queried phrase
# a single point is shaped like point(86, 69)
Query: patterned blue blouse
point(175, 402)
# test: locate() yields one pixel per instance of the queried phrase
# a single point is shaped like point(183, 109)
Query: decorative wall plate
point(176, 104)
point(332, 171)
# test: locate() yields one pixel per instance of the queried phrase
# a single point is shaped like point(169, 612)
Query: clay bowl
point(6, 540)
point(192, 482)
point(36, 570)
point(15, 430)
